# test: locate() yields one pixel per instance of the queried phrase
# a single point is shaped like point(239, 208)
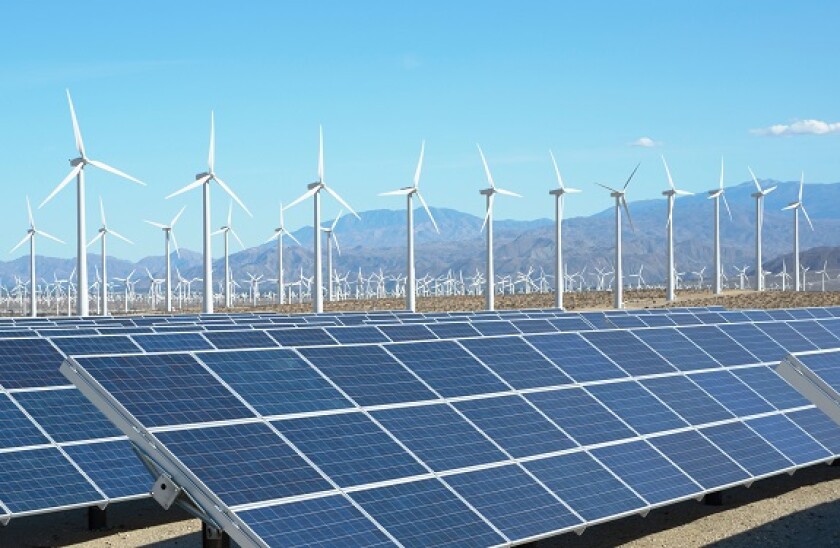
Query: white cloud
point(799, 127)
point(645, 142)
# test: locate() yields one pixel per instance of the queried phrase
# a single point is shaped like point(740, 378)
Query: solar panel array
point(476, 439)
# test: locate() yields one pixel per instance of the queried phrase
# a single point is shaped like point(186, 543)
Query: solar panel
point(172, 342)
point(816, 333)
point(358, 334)
point(580, 415)
point(723, 349)
point(114, 344)
point(576, 357)
point(771, 386)
point(819, 426)
point(407, 332)
point(26, 363)
point(676, 348)
point(240, 339)
point(687, 399)
point(453, 330)
point(18, 430)
point(634, 356)
point(516, 362)
point(703, 461)
point(114, 467)
point(747, 448)
point(66, 415)
point(789, 439)
point(787, 337)
point(637, 407)
point(302, 336)
point(497, 327)
point(732, 393)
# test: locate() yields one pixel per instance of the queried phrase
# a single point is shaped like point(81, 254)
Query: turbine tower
point(314, 190)
point(78, 172)
point(759, 224)
point(796, 206)
point(716, 195)
point(620, 202)
point(30, 235)
point(203, 180)
point(490, 192)
point(279, 232)
point(409, 192)
point(671, 194)
point(104, 231)
point(169, 234)
point(559, 203)
point(226, 231)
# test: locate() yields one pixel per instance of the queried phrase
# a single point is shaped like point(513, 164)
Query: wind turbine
point(226, 231)
point(203, 180)
point(78, 172)
point(796, 206)
point(30, 235)
point(759, 223)
point(104, 231)
point(620, 202)
point(559, 203)
point(671, 194)
point(279, 232)
point(716, 195)
point(409, 192)
point(168, 235)
point(331, 239)
point(314, 190)
point(490, 193)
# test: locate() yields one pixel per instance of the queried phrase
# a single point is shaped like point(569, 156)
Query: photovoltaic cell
point(116, 344)
point(570, 324)
point(701, 460)
point(788, 438)
point(533, 326)
point(771, 386)
point(172, 342)
point(453, 330)
point(513, 502)
point(28, 363)
point(822, 428)
point(817, 334)
point(684, 397)
point(230, 340)
point(516, 362)
point(414, 332)
point(17, 430)
point(637, 407)
point(243, 463)
point(580, 416)
point(66, 415)
point(625, 349)
point(719, 346)
point(357, 334)
point(495, 327)
point(302, 336)
point(677, 349)
point(732, 393)
point(787, 337)
point(114, 467)
point(747, 448)
point(756, 341)
point(576, 357)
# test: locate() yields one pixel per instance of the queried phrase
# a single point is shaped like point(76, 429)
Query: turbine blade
point(340, 200)
point(683, 192)
point(195, 184)
point(668, 173)
point(791, 206)
point(607, 187)
point(769, 190)
point(80, 146)
point(726, 203)
point(627, 211)
point(572, 190)
point(217, 232)
point(428, 212)
point(807, 217)
point(755, 179)
point(303, 197)
point(556, 170)
point(29, 213)
point(670, 212)
point(489, 212)
point(337, 217)
point(154, 224)
point(508, 193)
point(231, 194)
point(486, 167)
point(630, 178)
point(20, 243)
point(115, 171)
point(102, 212)
point(400, 192)
point(419, 164)
point(73, 172)
point(175, 243)
point(120, 236)
point(178, 216)
point(98, 235)
point(50, 236)
point(335, 241)
point(230, 214)
point(292, 236)
point(235, 235)
point(274, 236)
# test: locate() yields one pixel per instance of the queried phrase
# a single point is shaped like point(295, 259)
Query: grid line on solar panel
point(515, 361)
point(114, 467)
point(17, 428)
point(747, 448)
point(771, 386)
point(787, 337)
point(633, 355)
point(677, 349)
point(576, 357)
point(580, 416)
point(718, 345)
point(732, 393)
point(28, 363)
point(816, 333)
point(700, 459)
point(172, 342)
point(686, 398)
point(819, 426)
point(66, 415)
point(637, 406)
point(789, 439)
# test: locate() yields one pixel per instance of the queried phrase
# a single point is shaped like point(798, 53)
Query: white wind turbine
point(169, 234)
point(104, 232)
point(671, 194)
point(759, 224)
point(30, 235)
point(559, 203)
point(796, 206)
point(314, 190)
point(490, 193)
point(278, 235)
point(409, 192)
point(78, 172)
point(203, 180)
point(620, 202)
point(716, 195)
point(332, 239)
point(226, 231)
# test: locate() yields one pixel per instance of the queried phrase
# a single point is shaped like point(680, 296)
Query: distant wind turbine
point(226, 231)
point(716, 195)
point(620, 202)
point(78, 172)
point(490, 193)
point(30, 235)
point(104, 232)
point(759, 224)
point(278, 235)
point(314, 190)
point(796, 206)
point(332, 239)
point(169, 234)
point(409, 192)
point(559, 203)
point(203, 180)
point(671, 194)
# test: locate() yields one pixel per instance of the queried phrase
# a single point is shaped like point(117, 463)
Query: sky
point(605, 85)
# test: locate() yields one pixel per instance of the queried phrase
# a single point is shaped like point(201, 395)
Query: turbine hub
point(76, 161)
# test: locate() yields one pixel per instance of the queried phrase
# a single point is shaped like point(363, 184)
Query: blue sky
point(586, 80)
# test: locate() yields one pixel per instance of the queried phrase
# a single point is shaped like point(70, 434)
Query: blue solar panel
point(325, 521)
point(756, 341)
point(407, 332)
point(439, 436)
point(832, 326)
point(659, 320)
point(357, 334)
point(225, 340)
point(757, 315)
point(732, 393)
point(453, 330)
point(243, 463)
point(534, 326)
point(172, 342)
point(822, 428)
point(779, 314)
point(165, 389)
point(66, 415)
point(28, 363)
point(495, 327)
point(576, 357)
point(800, 313)
point(677, 349)
point(585, 485)
point(448, 368)
point(570, 324)
point(718, 345)
point(516, 362)
point(787, 337)
point(42, 478)
point(580, 416)
point(516, 504)
point(747, 448)
point(117, 344)
point(368, 374)
point(114, 467)
point(817, 334)
point(771, 386)
point(426, 513)
point(646, 471)
point(626, 321)
point(17, 430)
point(637, 407)
point(788, 438)
point(302, 336)
point(350, 448)
point(275, 382)
point(629, 352)
point(684, 397)
point(701, 460)
point(515, 425)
